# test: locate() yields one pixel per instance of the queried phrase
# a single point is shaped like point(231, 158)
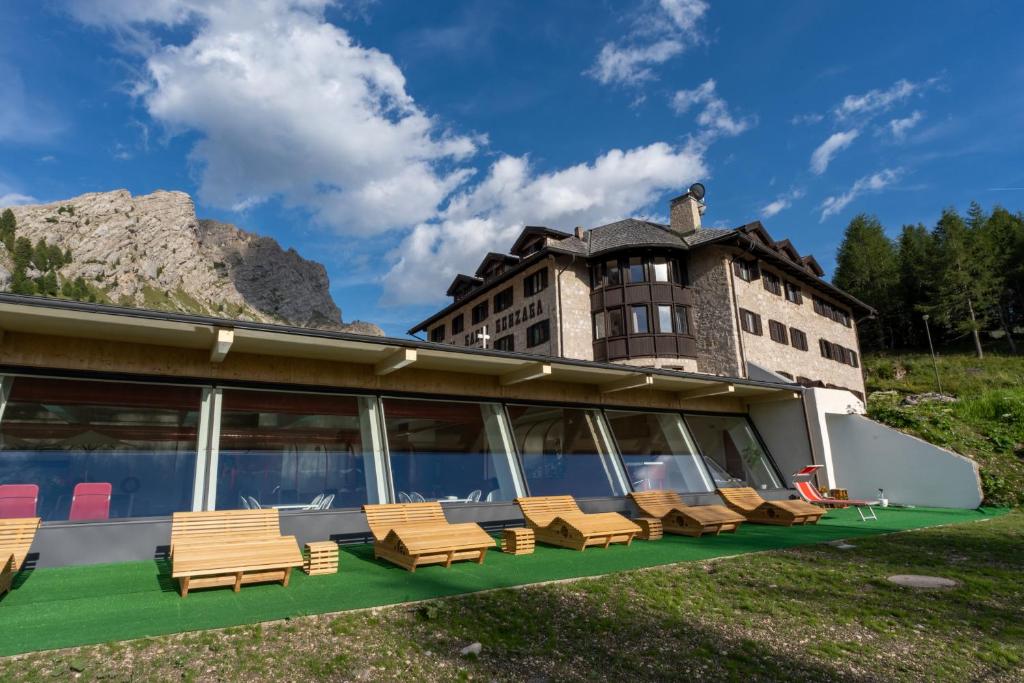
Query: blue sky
point(396, 142)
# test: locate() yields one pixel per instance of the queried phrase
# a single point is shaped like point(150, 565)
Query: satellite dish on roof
point(697, 190)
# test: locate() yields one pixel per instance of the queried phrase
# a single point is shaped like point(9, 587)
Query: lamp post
point(931, 349)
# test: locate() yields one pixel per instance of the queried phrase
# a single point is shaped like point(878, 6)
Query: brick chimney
point(684, 214)
point(580, 232)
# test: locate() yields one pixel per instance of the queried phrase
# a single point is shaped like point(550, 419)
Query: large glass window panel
point(448, 451)
point(139, 441)
point(660, 268)
point(564, 451)
point(638, 317)
point(658, 452)
point(664, 319)
point(296, 451)
point(732, 451)
point(636, 270)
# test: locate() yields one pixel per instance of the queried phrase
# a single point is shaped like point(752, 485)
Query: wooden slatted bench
point(558, 520)
point(651, 528)
point(756, 509)
point(414, 534)
point(16, 536)
point(688, 520)
point(230, 548)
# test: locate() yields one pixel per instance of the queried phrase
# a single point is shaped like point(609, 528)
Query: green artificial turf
point(69, 606)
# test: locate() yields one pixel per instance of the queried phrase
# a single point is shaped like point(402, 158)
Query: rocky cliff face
point(152, 251)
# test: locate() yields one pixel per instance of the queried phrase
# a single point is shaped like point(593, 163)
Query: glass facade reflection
point(296, 451)
point(448, 451)
point(89, 450)
point(137, 442)
point(732, 451)
point(658, 452)
point(565, 451)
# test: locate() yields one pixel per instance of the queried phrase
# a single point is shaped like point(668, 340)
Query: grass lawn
point(813, 612)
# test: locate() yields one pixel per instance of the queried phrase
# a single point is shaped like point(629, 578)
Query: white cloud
point(631, 65)
point(899, 127)
point(877, 100)
point(781, 203)
point(685, 14)
point(16, 199)
point(802, 119)
point(288, 105)
point(715, 114)
point(872, 183)
point(826, 151)
point(656, 37)
point(492, 213)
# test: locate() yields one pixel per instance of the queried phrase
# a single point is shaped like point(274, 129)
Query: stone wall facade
point(577, 328)
point(713, 312)
point(778, 357)
point(524, 312)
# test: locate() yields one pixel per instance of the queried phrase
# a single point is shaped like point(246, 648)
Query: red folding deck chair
point(91, 501)
point(806, 488)
point(18, 501)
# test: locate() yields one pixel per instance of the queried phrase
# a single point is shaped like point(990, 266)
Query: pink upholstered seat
point(18, 500)
point(91, 501)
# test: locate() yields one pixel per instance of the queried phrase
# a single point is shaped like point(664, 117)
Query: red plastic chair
point(91, 501)
point(18, 500)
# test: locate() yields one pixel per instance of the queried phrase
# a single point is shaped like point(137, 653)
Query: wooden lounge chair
point(16, 536)
point(558, 520)
point(805, 487)
point(757, 510)
point(688, 520)
point(230, 548)
point(415, 534)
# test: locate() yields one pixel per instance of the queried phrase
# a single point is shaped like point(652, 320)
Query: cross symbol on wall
point(483, 337)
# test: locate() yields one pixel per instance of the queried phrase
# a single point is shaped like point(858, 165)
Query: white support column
point(498, 433)
point(373, 448)
point(610, 456)
point(204, 492)
point(5, 392)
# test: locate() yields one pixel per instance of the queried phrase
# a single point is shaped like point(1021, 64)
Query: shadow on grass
point(642, 626)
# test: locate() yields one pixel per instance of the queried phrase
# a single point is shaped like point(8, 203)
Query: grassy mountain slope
point(986, 422)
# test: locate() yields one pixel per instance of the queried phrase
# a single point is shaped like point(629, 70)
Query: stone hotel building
point(732, 302)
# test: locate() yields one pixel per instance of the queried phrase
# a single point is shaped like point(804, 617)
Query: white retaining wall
point(862, 456)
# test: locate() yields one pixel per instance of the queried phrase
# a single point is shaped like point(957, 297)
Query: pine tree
point(867, 267)
point(966, 291)
point(55, 256)
point(41, 255)
point(917, 267)
point(22, 253)
point(21, 283)
point(8, 229)
point(50, 286)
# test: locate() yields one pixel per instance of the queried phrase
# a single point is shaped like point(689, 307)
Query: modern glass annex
point(159, 448)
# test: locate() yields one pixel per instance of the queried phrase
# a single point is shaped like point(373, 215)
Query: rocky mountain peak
point(151, 251)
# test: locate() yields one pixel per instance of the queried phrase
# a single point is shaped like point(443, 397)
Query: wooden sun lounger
point(688, 520)
point(230, 548)
point(415, 534)
point(757, 510)
point(558, 520)
point(16, 536)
